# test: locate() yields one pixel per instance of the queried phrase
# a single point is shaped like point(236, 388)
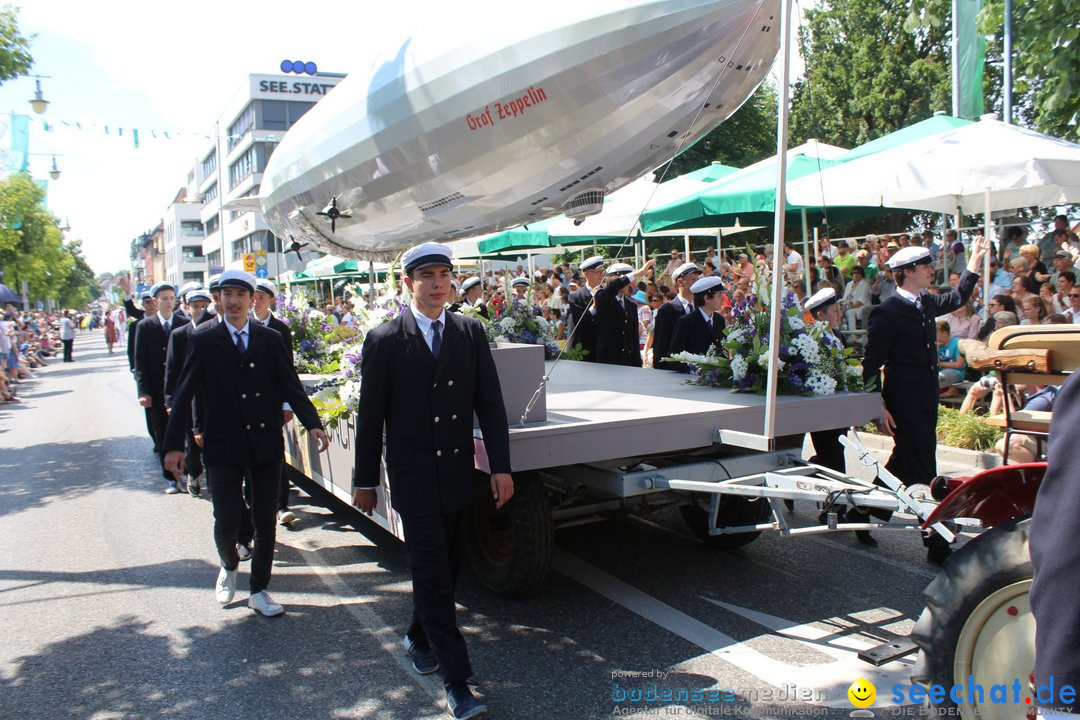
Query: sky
point(116, 63)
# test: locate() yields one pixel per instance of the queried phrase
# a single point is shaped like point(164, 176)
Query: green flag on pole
point(970, 58)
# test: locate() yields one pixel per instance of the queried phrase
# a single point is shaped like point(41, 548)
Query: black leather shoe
point(937, 550)
point(865, 538)
point(462, 703)
point(423, 659)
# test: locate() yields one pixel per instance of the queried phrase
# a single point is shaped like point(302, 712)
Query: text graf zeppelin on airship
point(485, 118)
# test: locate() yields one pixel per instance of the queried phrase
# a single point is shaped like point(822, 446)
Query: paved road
point(108, 610)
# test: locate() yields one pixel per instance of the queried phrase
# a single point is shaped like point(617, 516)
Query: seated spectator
point(1023, 286)
point(964, 322)
point(1034, 311)
point(1036, 267)
point(951, 364)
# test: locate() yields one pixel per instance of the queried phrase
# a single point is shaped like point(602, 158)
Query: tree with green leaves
point(872, 67)
point(1046, 62)
point(80, 286)
point(15, 59)
point(32, 246)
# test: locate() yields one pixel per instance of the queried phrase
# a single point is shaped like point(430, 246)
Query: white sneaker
point(171, 488)
point(243, 551)
point(262, 603)
point(286, 517)
point(226, 586)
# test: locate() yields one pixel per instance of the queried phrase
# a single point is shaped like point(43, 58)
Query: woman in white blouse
point(856, 300)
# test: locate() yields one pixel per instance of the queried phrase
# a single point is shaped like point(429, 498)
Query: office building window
point(212, 225)
point(211, 194)
point(191, 228)
point(213, 260)
point(242, 125)
point(209, 163)
point(282, 114)
point(193, 277)
point(243, 167)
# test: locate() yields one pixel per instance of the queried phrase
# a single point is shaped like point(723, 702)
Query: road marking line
point(373, 624)
point(776, 673)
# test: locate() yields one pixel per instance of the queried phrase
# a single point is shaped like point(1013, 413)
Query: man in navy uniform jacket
point(245, 376)
point(670, 312)
point(425, 374)
point(582, 324)
point(617, 335)
point(151, 350)
point(902, 338)
point(704, 327)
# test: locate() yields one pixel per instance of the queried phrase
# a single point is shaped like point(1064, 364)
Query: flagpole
point(1007, 100)
point(955, 43)
point(779, 218)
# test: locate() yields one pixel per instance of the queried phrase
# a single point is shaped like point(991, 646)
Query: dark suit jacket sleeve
point(131, 345)
point(133, 311)
point(291, 388)
point(490, 409)
point(174, 360)
point(950, 301)
point(187, 387)
point(141, 364)
point(666, 317)
point(680, 339)
point(879, 340)
point(374, 399)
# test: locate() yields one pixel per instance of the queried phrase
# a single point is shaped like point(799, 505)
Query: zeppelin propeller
point(477, 118)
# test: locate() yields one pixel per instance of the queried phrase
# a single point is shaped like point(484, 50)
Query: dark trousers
point(828, 452)
point(432, 544)
point(159, 419)
point(67, 350)
point(227, 496)
point(914, 457)
point(150, 428)
point(192, 456)
point(283, 489)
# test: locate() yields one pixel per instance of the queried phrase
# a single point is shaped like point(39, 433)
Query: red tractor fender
point(993, 496)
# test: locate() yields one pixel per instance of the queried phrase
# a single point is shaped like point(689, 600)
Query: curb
point(975, 459)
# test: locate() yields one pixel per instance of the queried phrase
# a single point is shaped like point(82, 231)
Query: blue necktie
point(165, 327)
point(240, 341)
point(436, 338)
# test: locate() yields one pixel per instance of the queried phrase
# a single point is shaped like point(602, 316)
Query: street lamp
point(38, 102)
point(54, 173)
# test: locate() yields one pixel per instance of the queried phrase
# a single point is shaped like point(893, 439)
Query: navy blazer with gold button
point(426, 407)
point(241, 394)
point(903, 339)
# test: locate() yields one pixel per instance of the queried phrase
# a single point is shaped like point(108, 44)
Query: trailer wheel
point(978, 622)
point(733, 510)
point(510, 549)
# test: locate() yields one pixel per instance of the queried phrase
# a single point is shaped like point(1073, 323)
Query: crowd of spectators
point(27, 341)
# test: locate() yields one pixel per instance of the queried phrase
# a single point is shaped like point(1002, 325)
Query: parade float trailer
point(601, 439)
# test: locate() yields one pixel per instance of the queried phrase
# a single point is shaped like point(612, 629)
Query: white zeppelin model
point(484, 115)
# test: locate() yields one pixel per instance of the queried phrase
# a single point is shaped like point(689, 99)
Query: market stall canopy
point(978, 167)
point(746, 196)
point(618, 221)
point(331, 266)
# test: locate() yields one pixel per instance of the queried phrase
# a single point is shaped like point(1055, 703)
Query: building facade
point(231, 169)
point(183, 238)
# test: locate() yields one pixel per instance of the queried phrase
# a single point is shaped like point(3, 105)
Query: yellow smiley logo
point(862, 693)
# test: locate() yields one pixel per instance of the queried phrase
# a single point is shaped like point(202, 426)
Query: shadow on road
point(34, 475)
point(130, 669)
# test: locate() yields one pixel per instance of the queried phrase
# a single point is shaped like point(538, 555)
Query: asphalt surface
point(107, 608)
